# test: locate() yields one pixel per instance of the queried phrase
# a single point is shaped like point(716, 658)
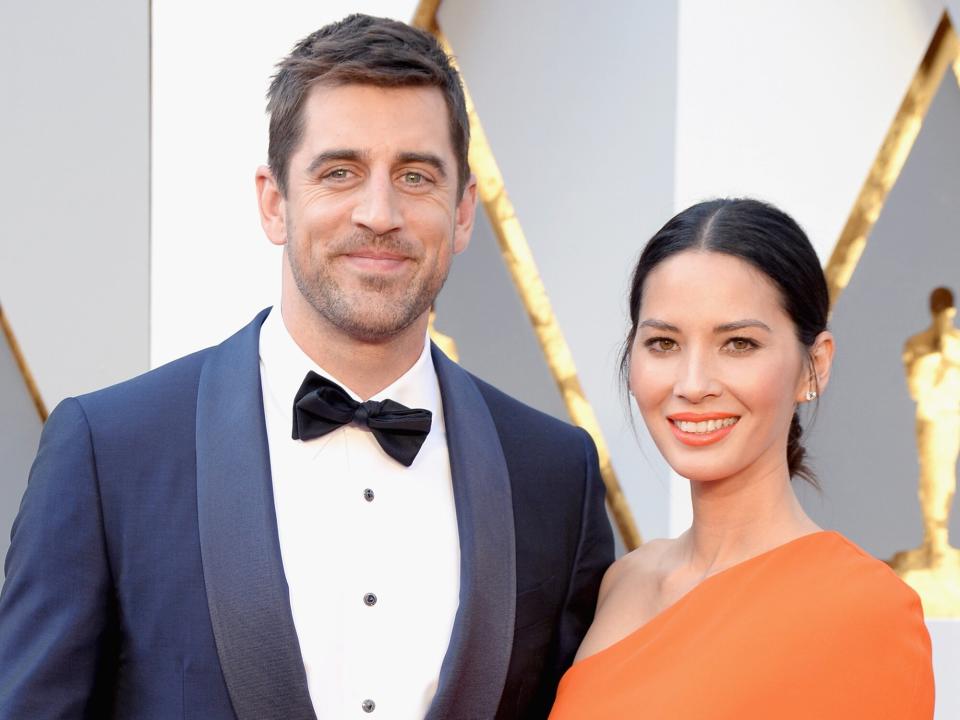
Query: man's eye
point(413, 178)
point(661, 344)
point(338, 174)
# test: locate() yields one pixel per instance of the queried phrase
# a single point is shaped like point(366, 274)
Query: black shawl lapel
point(243, 571)
point(475, 667)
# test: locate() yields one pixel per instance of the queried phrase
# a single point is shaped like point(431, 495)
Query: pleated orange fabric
point(813, 629)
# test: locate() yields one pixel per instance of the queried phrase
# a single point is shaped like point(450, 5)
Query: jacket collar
point(474, 670)
point(243, 571)
point(242, 567)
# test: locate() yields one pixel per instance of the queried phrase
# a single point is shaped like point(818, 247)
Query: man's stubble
point(381, 307)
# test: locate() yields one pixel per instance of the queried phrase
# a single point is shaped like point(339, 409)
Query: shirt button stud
point(368, 706)
point(368, 495)
point(370, 599)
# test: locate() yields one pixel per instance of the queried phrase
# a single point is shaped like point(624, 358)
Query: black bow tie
point(322, 406)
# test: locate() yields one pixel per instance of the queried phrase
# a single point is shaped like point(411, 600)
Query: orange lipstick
point(700, 429)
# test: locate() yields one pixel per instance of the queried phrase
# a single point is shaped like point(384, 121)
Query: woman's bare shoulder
point(638, 567)
point(628, 596)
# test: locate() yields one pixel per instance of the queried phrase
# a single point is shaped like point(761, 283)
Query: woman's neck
point(740, 517)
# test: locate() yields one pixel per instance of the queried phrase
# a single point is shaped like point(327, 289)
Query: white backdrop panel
point(578, 104)
point(211, 266)
point(791, 101)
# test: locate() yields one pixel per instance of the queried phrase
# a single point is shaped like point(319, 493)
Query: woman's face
point(716, 368)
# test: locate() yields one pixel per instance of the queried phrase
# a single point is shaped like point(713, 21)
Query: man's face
point(371, 218)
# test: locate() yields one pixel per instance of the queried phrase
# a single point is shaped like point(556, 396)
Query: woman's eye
point(661, 344)
point(740, 345)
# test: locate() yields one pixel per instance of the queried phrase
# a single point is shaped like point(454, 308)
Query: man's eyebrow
point(434, 161)
point(349, 155)
point(740, 325)
point(659, 325)
point(338, 154)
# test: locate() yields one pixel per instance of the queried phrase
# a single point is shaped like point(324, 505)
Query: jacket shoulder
point(168, 390)
point(155, 392)
point(509, 414)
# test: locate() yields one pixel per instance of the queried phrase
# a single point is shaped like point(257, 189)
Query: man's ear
point(465, 214)
point(272, 206)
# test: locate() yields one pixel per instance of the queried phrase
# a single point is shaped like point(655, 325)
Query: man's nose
point(697, 378)
point(377, 206)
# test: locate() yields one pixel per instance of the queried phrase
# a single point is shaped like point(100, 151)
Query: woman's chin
point(701, 472)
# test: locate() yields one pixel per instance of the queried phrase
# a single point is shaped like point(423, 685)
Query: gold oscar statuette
point(931, 360)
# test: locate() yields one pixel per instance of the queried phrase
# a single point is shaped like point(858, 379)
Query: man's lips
point(699, 429)
point(375, 260)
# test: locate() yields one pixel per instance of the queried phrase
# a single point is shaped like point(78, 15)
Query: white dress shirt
point(370, 547)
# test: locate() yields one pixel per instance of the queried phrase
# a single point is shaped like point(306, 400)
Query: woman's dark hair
point(770, 241)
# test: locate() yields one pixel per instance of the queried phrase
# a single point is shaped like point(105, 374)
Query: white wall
point(212, 268)
point(584, 198)
point(784, 101)
point(578, 102)
point(74, 193)
point(789, 102)
point(19, 434)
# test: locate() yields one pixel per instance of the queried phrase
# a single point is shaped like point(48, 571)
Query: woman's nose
point(696, 378)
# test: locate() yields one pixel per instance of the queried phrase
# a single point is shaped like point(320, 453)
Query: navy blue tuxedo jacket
point(144, 577)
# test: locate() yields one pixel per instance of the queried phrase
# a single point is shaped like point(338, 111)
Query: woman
point(754, 612)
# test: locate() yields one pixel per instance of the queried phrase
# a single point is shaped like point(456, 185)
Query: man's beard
point(381, 307)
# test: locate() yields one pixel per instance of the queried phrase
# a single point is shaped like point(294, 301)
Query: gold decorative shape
point(24, 370)
point(933, 569)
point(523, 270)
point(444, 342)
point(425, 16)
point(931, 360)
point(941, 54)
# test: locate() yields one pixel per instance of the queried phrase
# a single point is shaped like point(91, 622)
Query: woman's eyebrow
point(659, 325)
point(724, 328)
point(740, 325)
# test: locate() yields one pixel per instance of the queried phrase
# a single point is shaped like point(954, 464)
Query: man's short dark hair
point(361, 50)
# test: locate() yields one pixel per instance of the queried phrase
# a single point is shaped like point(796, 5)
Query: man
point(323, 516)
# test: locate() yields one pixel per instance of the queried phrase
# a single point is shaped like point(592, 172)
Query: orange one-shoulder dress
point(815, 629)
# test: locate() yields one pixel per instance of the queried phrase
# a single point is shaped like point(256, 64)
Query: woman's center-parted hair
point(770, 241)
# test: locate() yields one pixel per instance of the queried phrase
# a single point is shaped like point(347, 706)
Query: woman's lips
point(698, 429)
